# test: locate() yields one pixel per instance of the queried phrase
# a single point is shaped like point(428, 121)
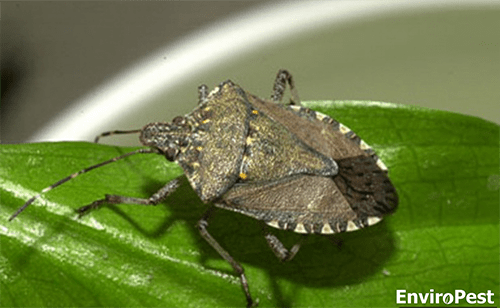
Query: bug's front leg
point(282, 78)
point(202, 227)
point(278, 248)
point(115, 199)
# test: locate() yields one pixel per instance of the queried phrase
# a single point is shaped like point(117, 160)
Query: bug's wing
point(318, 131)
point(362, 177)
point(273, 152)
point(311, 204)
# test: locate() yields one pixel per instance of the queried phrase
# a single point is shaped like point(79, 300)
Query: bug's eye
point(170, 154)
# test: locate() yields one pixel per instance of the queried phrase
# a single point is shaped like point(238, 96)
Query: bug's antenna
point(116, 132)
point(74, 175)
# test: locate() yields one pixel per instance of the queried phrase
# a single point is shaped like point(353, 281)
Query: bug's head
point(167, 137)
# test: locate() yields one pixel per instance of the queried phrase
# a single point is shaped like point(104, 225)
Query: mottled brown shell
point(292, 167)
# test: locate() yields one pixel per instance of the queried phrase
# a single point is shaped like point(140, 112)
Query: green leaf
point(444, 235)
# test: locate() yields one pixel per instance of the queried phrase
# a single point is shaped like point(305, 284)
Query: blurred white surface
point(402, 52)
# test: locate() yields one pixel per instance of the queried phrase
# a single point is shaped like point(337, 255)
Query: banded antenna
point(74, 175)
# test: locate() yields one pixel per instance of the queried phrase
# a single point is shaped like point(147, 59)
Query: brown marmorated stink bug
point(283, 164)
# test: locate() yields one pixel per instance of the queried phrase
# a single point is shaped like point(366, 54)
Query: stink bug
point(288, 166)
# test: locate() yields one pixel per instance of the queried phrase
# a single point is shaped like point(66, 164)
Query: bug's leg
point(278, 248)
point(116, 132)
point(282, 78)
point(114, 199)
point(202, 227)
point(202, 93)
point(74, 175)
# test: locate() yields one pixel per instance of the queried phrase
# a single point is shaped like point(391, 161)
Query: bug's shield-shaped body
point(289, 166)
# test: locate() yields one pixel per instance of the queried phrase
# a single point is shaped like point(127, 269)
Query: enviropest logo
point(456, 298)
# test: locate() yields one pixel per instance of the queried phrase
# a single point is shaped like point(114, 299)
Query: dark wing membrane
point(366, 187)
point(362, 176)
